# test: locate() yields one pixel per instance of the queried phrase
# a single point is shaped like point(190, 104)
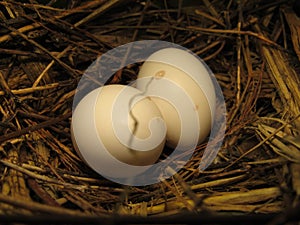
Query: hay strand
point(251, 46)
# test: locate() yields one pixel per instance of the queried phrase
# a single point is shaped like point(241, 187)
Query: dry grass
point(251, 46)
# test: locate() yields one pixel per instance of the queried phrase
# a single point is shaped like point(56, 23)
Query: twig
point(33, 128)
point(70, 70)
point(32, 89)
point(261, 143)
point(220, 31)
point(37, 207)
point(107, 5)
point(65, 13)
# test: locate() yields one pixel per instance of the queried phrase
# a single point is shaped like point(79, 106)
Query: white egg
point(117, 130)
point(180, 85)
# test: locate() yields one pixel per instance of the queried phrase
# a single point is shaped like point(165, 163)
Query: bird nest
point(252, 47)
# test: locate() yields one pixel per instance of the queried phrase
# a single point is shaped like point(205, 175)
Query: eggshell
point(170, 74)
point(118, 131)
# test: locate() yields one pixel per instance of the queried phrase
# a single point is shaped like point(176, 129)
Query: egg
point(118, 131)
point(180, 85)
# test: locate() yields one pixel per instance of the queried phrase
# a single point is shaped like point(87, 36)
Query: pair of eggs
point(171, 103)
